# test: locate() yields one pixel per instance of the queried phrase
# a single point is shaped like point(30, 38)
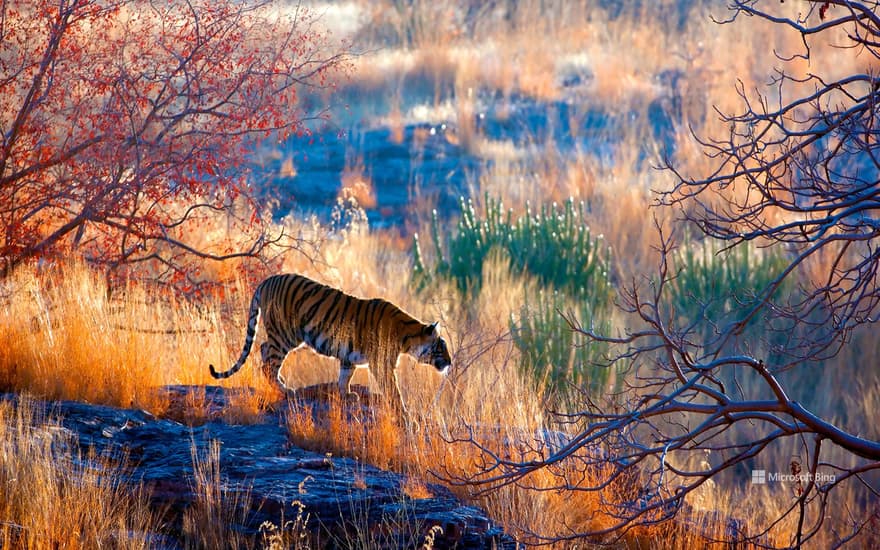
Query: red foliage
point(124, 124)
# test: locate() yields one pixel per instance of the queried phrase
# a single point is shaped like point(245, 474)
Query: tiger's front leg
point(346, 372)
point(387, 375)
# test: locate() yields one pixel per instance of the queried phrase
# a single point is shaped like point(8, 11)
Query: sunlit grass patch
point(430, 447)
point(206, 524)
point(433, 450)
point(54, 496)
point(66, 337)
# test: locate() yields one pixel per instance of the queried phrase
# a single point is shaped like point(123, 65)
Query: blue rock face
point(345, 500)
point(427, 158)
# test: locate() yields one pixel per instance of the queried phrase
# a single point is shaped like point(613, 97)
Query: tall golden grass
point(206, 523)
point(487, 392)
point(68, 501)
point(64, 338)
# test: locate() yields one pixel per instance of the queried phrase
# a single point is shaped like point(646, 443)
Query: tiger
point(297, 311)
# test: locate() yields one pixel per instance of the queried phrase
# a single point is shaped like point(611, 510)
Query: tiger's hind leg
point(272, 358)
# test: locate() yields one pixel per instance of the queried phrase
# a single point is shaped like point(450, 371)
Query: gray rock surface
point(346, 501)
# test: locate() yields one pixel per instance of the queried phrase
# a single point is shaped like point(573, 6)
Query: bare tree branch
point(799, 173)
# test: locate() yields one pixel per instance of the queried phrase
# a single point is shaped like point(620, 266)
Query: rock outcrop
point(346, 501)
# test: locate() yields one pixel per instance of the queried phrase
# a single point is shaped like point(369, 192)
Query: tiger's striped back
point(296, 310)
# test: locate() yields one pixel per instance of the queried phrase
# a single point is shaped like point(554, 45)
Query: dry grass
point(64, 338)
point(206, 523)
point(424, 453)
point(442, 447)
point(61, 499)
point(357, 185)
point(487, 392)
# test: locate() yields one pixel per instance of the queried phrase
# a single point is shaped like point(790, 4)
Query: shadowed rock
point(346, 501)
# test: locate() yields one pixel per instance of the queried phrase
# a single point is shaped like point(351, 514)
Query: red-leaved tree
point(125, 125)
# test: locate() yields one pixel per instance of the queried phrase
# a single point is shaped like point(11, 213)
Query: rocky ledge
point(347, 503)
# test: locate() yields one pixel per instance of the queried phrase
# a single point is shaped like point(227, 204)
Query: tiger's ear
point(433, 328)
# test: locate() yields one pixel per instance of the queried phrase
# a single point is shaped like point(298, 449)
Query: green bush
point(552, 352)
point(720, 286)
point(554, 245)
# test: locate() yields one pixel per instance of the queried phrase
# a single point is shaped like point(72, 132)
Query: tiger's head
point(430, 348)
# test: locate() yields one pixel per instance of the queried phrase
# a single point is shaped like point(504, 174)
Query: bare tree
point(800, 174)
point(804, 174)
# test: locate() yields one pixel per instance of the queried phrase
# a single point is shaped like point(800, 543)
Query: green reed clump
point(721, 286)
point(554, 354)
point(554, 245)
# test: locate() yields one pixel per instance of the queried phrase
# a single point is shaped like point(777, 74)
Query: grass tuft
point(52, 496)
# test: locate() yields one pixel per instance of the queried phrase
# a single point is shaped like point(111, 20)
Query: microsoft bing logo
point(763, 477)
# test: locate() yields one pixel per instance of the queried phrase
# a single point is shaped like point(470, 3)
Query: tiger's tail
point(253, 319)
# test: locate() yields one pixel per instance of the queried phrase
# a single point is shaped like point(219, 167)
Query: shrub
point(556, 356)
point(722, 285)
point(554, 245)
